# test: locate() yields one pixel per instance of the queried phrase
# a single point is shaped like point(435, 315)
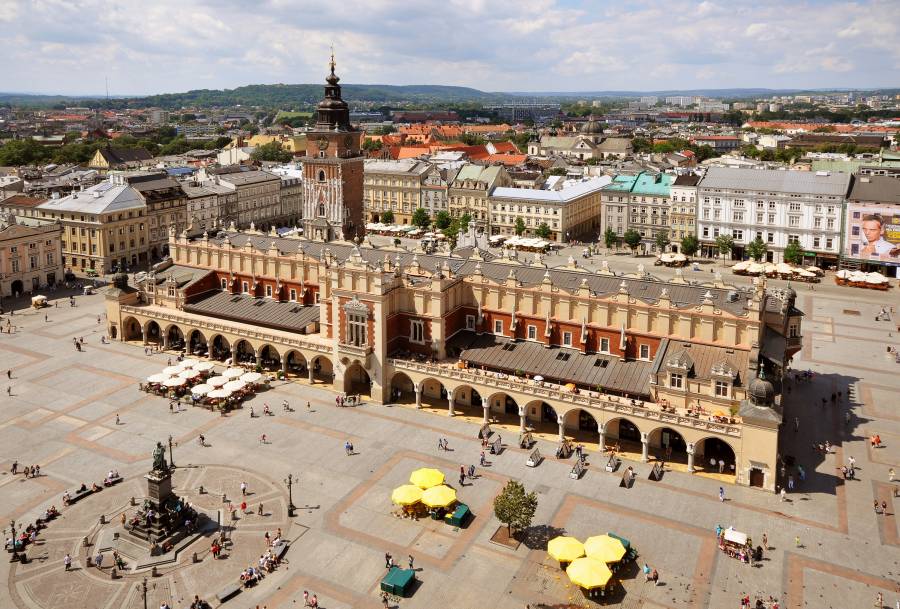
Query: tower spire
point(332, 63)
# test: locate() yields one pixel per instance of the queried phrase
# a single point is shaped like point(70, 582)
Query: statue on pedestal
point(159, 459)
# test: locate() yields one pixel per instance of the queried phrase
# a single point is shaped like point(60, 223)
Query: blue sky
point(69, 46)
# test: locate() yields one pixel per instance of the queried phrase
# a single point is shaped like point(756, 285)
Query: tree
point(387, 217)
point(421, 218)
point(632, 239)
point(724, 243)
point(543, 231)
point(514, 507)
point(610, 238)
point(689, 245)
point(273, 151)
point(371, 144)
point(443, 219)
point(520, 226)
point(793, 253)
point(464, 222)
point(558, 171)
point(452, 232)
point(757, 249)
point(662, 240)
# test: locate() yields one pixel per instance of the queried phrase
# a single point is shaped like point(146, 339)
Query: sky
point(165, 46)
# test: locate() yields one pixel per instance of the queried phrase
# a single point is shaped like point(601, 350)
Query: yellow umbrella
point(427, 477)
point(439, 496)
point(588, 573)
point(565, 549)
point(604, 548)
point(407, 494)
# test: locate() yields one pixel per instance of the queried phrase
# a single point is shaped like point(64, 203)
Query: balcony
point(549, 391)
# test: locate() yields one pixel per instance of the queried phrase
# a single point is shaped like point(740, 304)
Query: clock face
point(323, 144)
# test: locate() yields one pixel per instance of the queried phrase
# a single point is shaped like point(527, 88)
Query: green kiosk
point(398, 581)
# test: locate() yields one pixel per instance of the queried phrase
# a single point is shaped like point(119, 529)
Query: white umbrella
point(251, 377)
point(783, 267)
point(188, 374)
point(158, 378)
point(814, 269)
point(805, 273)
point(172, 370)
point(218, 394)
point(175, 382)
point(189, 363)
point(204, 366)
point(216, 381)
point(843, 273)
point(202, 389)
point(233, 373)
point(538, 378)
point(741, 266)
point(679, 258)
point(755, 268)
point(234, 385)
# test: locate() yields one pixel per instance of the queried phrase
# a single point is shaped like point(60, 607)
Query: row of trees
point(756, 249)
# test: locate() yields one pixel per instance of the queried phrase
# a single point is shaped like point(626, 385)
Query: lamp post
point(12, 528)
point(290, 483)
point(144, 591)
point(171, 458)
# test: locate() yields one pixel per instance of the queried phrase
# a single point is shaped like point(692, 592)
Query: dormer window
point(171, 291)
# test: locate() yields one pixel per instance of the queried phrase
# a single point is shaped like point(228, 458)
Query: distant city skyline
point(543, 45)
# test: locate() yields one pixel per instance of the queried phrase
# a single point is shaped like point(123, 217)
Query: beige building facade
point(30, 255)
point(394, 186)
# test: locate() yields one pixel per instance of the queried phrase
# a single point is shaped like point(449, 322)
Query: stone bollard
point(102, 518)
point(112, 573)
point(88, 561)
point(194, 558)
point(154, 572)
point(116, 536)
point(224, 498)
point(85, 542)
point(133, 502)
point(201, 489)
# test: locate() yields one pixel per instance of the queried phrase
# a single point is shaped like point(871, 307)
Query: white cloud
point(170, 45)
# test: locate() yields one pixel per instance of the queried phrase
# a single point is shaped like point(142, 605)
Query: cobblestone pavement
point(61, 414)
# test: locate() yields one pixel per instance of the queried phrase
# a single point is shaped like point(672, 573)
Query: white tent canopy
point(176, 381)
point(218, 394)
point(216, 381)
point(233, 373)
point(234, 385)
point(251, 377)
point(158, 378)
point(202, 390)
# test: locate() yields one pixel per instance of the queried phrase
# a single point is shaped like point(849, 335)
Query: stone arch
point(581, 420)
point(112, 333)
point(501, 402)
point(621, 429)
point(294, 363)
point(668, 444)
point(269, 358)
point(403, 389)
point(541, 411)
point(131, 329)
point(323, 369)
point(220, 348)
point(357, 379)
point(434, 390)
point(244, 353)
point(152, 332)
point(713, 447)
point(197, 343)
point(174, 337)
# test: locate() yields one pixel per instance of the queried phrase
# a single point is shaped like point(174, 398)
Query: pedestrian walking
point(790, 483)
point(721, 494)
point(783, 495)
point(388, 560)
point(797, 541)
point(796, 424)
point(462, 479)
point(308, 407)
point(654, 577)
point(884, 507)
point(765, 540)
point(481, 460)
point(9, 374)
point(67, 561)
point(314, 603)
point(117, 419)
point(440, 444)
point(9, 391)
point(471, 472)
point(646, 569)
point(259, 512)
point(243, 489)
point(99, 560)
point(410, 562)
point(891, 475)
point(305, 598)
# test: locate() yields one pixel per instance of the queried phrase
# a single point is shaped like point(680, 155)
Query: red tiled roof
point(510, 160)
point(23, 201)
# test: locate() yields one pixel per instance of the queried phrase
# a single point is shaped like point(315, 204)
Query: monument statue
point(159, 458)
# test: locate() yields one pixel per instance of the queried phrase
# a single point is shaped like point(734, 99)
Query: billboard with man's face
point(873, 232)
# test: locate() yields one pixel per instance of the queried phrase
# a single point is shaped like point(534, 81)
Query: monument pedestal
point(159, 487)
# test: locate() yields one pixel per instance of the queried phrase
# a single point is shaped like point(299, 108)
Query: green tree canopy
point(543, 231)
point(558, 171)
point(387, 217)
point(756, 249)
point(514, 507)
point(632, 239)
point(610, 238)
point(724, 243)
point(793, 253)
point(689, 245)
point(662, 240)
point(452, 232)
point(464, 222)
point(443, 219)
point(273, 151)
point(520, 226)
point(421, 218)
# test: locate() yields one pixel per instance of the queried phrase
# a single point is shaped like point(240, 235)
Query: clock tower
point(333, 171)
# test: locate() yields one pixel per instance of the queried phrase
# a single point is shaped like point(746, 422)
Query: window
point(738, 216)
point(470, 322)
point(817, 222)
point(268, 291)
point(722, 388)
point(293, 295)
point(604, 345)
point(417, 331)
point(245, 287)
point(793, 220)
point(498, 326)
point(676, 380)
point(567, 339)
point(816, 241)
point(759, 218)
point(793, 331)
point(532, 332)
point(794, 206)
point(356, 329)
point(15, 265)
point(321, 175)
point(171, 291)
point(770, 237)
point(50, 258)
point(33, 261)
point(737, 234)
point(828, 243)
point(224, 283)
point(644, 351)
point(793, 239)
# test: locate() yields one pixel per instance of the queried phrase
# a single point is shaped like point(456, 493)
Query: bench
point(112, 481)
point(228, 591)
point(79, 495)
point(280, 549)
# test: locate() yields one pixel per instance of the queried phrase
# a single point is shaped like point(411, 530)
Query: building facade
point(568, 213)
point(775, 205)
point(871, 236)
point(683, 209)
point(30, 255)
point(435, 189)
point(258, 196)
point(166, 209)
point(394, 186)
point(639, 202)
point(469, 193)
point(652, 376)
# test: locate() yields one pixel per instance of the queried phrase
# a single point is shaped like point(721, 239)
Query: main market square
point(264, 421)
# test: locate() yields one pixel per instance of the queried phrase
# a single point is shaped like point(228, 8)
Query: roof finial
point(332, 64)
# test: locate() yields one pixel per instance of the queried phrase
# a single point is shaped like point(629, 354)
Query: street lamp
point(171, 458)
point(15, 554)
point(144, 591)
point(290, 483)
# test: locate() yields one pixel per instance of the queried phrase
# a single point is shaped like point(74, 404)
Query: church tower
point(333, 171)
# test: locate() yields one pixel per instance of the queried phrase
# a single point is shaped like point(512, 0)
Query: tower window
point(321, 175)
